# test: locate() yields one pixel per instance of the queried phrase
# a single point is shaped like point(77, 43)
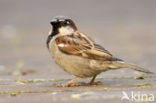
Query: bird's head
point(62, 25)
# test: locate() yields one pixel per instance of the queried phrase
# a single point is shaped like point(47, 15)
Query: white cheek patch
point(65, 30)
point(62, 45)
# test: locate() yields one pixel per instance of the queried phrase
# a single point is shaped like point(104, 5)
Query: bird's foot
point(68, 85)
point(90, 83)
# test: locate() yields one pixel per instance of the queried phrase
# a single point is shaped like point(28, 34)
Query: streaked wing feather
point(73, 44)
point(79, 44)
point(100, 53)
point(102, 49)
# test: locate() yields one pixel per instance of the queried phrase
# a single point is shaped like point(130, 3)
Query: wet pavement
point(34, 85)
point(28, 74)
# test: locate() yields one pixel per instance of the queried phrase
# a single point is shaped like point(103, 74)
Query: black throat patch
point(54, 32)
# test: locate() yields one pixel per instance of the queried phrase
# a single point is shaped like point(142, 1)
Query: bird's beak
point(53, 21)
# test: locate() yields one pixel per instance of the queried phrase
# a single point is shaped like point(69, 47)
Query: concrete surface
point(127, 28)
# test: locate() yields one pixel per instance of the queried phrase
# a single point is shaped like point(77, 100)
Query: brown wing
point(74, 43)
point(100, 53)
point(79, 44)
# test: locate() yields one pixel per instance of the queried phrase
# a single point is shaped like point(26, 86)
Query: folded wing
point(79, 44)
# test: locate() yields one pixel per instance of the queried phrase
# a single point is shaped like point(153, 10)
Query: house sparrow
point(78, 54)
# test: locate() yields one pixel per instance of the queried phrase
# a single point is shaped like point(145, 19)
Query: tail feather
point(130, 66)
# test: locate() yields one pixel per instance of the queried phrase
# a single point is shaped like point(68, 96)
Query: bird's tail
point(116, 64)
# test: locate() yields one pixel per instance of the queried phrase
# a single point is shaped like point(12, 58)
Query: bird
point(79, 55)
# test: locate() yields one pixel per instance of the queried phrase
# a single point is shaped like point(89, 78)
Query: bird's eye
point(68, 22)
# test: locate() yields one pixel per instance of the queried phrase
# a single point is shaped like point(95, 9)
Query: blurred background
point(127, 28)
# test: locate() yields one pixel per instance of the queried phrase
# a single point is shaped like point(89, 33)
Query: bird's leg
point(92, 81)
point(70, 83)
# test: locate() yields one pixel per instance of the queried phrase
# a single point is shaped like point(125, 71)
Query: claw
point(68, 85)
point(90, 83)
